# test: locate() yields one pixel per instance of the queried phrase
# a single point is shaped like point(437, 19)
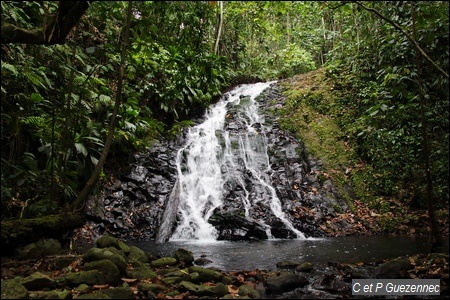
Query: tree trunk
point(434, 226)
point(219, 28)
point(80, 200)
point(16, 233)
point(69, 13)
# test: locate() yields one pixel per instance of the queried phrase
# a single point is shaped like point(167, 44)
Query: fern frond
point(29, 160)
point(34, 121)
point(10, 68)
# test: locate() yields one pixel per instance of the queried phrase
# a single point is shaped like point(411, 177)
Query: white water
point(199, 164)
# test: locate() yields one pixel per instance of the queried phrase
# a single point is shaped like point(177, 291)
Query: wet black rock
point(233, 227)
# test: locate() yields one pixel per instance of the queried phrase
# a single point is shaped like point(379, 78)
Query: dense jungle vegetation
point(86, 84)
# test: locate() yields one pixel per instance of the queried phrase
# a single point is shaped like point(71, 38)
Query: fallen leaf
point(184, 295)
point(209, 284)
point(233, 289)
point(100, 286)
point(435, 272)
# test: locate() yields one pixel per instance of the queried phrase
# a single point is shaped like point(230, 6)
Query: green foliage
point(290, 61)
point(379, 70)
point(269, 40)
point(57, 100)
point(178, 127)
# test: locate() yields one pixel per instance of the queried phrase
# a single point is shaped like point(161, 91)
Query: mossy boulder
point(107, 241)
point(184, 257)
point(198, 289)
point(37, 280)
point(206, 274)
point(107, 268)
point(305, 267)
point(284, 281)
point(13, 290)
point(91, 277)
point(139, 255)
point(110, 253)
point(164, 261)
point(150, 287)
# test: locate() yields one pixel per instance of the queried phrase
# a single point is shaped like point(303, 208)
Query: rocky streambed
point(112, 269)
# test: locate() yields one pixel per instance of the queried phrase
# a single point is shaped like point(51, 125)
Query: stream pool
point(264, 255)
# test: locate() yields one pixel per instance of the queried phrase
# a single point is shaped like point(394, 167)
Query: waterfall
point(214, 156)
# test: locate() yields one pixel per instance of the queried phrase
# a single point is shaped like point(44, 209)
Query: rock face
point(133, 207)
point(234, 227)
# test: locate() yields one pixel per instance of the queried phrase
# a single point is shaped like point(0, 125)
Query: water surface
point(264, 255)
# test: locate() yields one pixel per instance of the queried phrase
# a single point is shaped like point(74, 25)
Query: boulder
point(332, 283)
point(107, 268)
point(288, 264)
point(141, 271)
point(13, 290)
point(91, 277)
point(305, 267)
point(232, 226)
point(285, 281)
point(248, 291)
point(164, 261)
point(40, 248)
point(394, 269)
point(150, 287)
point(107, 241)
point(120, 292)
point(206, 274)
point(36, 281)
point(137, 254)
point(201, 261)
point(198, 290)
point(110, 253)
point(184, 257)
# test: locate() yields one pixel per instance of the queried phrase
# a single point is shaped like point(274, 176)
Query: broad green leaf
point(81, 148)
point(94, 160)
point(104, 98)
point(10, 68)
point(35, 97)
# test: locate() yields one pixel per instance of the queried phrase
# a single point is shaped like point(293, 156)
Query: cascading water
point(215, 156)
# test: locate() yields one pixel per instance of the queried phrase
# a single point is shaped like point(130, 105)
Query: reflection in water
point(244, 255)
